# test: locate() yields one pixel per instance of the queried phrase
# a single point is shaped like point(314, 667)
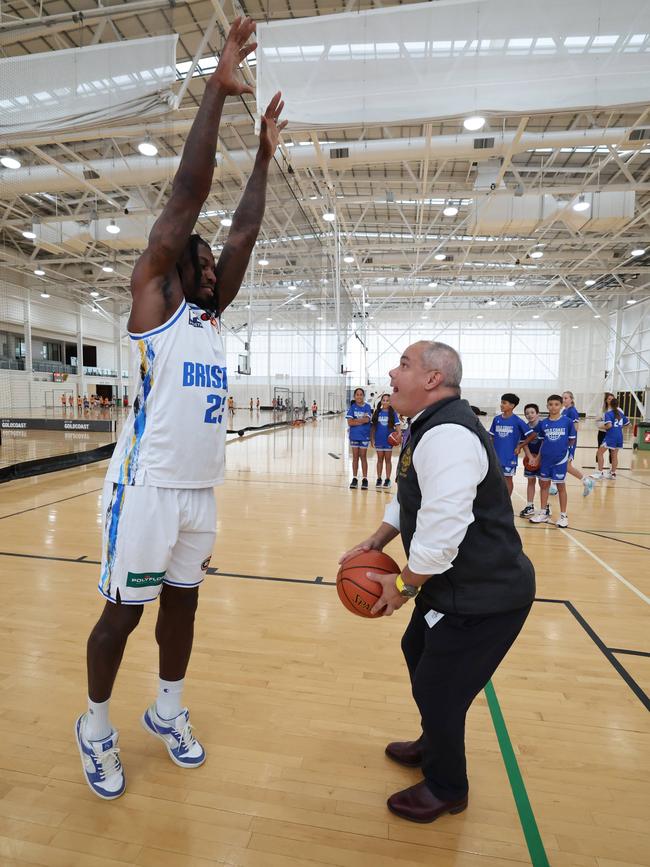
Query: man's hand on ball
point(390, 599)
point(370, 544)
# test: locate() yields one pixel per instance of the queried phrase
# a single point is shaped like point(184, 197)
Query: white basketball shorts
point(154, 536)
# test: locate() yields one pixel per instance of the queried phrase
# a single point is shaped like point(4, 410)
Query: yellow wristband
point(401, 586)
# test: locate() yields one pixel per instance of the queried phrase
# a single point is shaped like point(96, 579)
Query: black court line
point(52, 503)
point(630, 652)
point(318, 581)
point(606, 651)
point(336, 457)
point(609, 538)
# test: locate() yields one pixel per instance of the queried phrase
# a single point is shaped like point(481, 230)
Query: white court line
point(602, 563)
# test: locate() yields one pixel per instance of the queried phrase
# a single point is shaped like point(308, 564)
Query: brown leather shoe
point(408, 753)
point(419, 804)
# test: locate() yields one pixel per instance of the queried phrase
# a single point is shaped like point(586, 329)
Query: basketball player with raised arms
point(158, 502)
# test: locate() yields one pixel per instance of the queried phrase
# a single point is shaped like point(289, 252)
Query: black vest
point(490, 574)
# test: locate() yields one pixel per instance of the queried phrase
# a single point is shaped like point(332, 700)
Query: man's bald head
point(440, 356)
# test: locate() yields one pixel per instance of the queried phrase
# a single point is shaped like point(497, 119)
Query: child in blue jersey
point(558, 434)
point(613, 423)
point(570, 411)
point(509, 434)
point(384, 421)
point(358, 416)
point(531, 450)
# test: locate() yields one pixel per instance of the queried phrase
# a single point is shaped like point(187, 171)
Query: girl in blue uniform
point(384, 421)
point(358, 416)
point(613, 423)
point(569, 410)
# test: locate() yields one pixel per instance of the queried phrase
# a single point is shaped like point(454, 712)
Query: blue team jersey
point(572, 413)
point(614, 434)
point(382, 431)
point(506, 435)
point(360, 432)
point(536, 445)
point(557, 435)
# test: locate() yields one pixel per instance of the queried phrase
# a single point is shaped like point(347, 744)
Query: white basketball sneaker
point(101, 763)
point(183, 748)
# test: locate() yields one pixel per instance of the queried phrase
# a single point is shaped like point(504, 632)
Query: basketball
point(395, 438)
point(357, 592)
point(528, 466)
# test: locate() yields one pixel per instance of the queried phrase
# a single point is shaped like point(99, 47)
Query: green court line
point(526, 816)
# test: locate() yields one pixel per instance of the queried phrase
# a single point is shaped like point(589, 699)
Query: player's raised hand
point(271, 126)
point(226, 76)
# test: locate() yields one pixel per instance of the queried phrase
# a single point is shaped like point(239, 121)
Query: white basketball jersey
point(175, 434)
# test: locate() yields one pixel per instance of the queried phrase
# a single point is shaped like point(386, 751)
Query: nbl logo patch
point(195, 318)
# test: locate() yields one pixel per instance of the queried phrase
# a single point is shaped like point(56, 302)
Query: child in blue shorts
point(569, 410)
point(509, 434)
point(383, 423)
point(613, 423)
point(531, 470)
point(358, 416)
point(557, 433)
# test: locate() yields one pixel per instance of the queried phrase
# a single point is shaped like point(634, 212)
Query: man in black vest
point(471, 583)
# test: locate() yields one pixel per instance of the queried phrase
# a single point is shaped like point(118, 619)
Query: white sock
point(563, 514)
point(529, 505)
point(170, 698)
point(97, 725)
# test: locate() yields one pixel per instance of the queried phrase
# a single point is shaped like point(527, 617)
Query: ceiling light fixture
point(147, 148)
point(263, 262)
point(536, 254)
point(292, 288)
point(226, 221)
point(348, 259)
point(480, 316)
point(491, 303)
point(590, 282)
point(9, 161)
point(428, 305)
point(440, 257)
point(631, 301)
point(39, 272)
point(596, 315)
point(94, 294)
point(357, 286)
point(269, 319)
point(112, 228)
point(575, 326)
point(45, 295)
point(108, 269)
point(450, 211)
point(536, 316)
point(29, 235)
point(473, 123)
point(581, 205)
point(432, 284)
point(510, 282)
point(637, 252)
point(329, 217)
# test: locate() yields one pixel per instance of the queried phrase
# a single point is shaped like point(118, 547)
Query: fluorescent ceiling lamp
point(590, 282)
point(329, 217)
point(108, 269)
point(432, 284)
point(575, 326)
point(39, 272)
point(357, 286)
point(269, 319)
point(440, 257)
point(291, 288)
point(10, 162)
point(112, 228)
point(536, 254)
point(147, 148)
point(480, 316)
point(491, 303)
point(536, 316)
point(263, 262)
point(581, 205)
point(226, 222)
point(424, 316)
point(510, 282)
point(637, 252)
point(29, 235)
point(44, 295)
point(348, 259)
point(94, 294)
point(630, 301)
point(473, 123)
point(450, 211)
point(428, 305)
point(596, 315)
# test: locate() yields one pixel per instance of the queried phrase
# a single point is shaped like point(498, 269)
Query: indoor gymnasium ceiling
point(390, 212)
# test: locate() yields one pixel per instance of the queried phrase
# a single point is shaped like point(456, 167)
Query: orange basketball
point(358, 592)
point(395, 438)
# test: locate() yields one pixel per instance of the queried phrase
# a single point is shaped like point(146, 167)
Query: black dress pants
point(449, 664)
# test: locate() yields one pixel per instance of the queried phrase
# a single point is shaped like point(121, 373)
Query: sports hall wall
point(527, 355)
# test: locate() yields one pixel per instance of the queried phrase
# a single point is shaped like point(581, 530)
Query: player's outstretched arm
point(193, 180)
point(247, 219)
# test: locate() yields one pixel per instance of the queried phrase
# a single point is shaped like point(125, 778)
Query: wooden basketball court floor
point(295, 699)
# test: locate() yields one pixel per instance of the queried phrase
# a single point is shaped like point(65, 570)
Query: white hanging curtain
point(82, 87)
point(456, 57)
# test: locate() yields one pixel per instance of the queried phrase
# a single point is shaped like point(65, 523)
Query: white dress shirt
point(450, 462)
